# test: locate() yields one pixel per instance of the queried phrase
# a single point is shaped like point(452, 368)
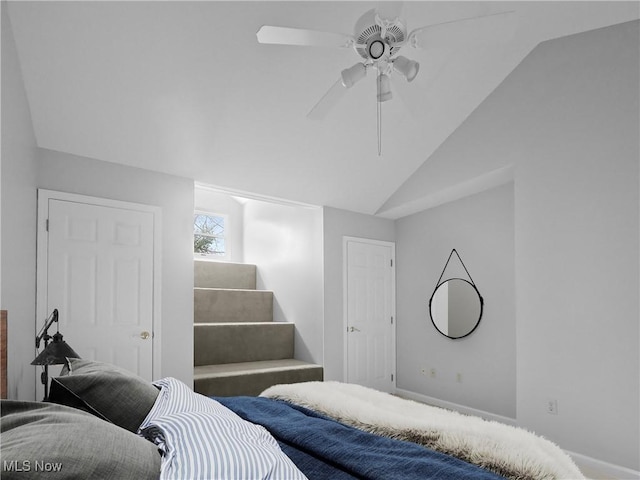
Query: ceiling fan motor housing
point(368, 35)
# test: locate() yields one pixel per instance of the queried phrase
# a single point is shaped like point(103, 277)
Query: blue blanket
point(325, 449)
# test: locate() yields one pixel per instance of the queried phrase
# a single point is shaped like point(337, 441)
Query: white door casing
point(369, 313)
point(98, 264)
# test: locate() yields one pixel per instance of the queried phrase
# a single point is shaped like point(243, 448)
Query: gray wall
point(575, 136)
point(285, 243)
point(174, 195)
point(18, 218)
point(338, 224)
point(567, 118)
point(480, 228)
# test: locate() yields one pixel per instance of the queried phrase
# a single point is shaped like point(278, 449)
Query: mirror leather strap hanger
point(461, 262)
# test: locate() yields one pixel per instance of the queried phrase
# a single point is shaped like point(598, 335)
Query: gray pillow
point(48, 441)
point(109, 392)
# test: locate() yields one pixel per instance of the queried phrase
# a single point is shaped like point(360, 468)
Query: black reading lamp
point(54, 353)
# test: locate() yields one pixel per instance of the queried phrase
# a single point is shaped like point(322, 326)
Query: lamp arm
point(43, 331)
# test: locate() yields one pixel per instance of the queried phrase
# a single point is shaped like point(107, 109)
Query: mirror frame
point(479, 316)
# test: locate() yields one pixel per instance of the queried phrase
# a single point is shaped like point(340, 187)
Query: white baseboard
point(593, 468)
point(602, 469)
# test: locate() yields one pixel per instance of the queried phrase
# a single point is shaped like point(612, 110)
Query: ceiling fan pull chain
point(379, 118)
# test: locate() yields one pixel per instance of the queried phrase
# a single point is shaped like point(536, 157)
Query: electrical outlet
point(428, 372)
point(552, 406)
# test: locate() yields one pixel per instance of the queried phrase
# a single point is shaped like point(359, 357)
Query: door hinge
point(392, 377)
point(391, 261)
point(391, 320)
point(47, 225)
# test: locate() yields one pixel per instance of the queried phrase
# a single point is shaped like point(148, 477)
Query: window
point(210, 235)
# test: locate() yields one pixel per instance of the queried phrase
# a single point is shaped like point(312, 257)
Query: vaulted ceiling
point(184, 88)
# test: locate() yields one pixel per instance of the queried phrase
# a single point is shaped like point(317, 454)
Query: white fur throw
point(508, 451)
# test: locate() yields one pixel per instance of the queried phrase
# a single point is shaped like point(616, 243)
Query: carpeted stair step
point(216, 343)
point(208, 274)
point(252, 378)
point(212, 305)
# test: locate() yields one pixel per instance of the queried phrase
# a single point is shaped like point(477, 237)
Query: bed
point(103, 422)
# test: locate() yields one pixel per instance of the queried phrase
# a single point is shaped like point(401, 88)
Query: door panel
point(100, 278)
point(369, 310)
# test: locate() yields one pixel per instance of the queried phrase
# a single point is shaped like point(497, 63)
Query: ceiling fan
point(377, 39)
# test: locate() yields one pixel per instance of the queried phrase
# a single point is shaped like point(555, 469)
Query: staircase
point(238, 348)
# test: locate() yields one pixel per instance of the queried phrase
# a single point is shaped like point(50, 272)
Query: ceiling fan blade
point(328, 101)
point(466, 32)
point(299, 36)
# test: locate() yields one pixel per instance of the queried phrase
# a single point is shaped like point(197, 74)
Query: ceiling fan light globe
point(384, 88)
point(376, 48)
point(352, 75)
point(407, 68)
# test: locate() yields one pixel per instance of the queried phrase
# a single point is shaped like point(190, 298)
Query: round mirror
point(456, 308)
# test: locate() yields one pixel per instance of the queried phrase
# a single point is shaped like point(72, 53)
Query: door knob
point(354, 329)
point(144, 335)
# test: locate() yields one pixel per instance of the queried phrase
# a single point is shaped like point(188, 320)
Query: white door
point(98, 262)
point(370, 310)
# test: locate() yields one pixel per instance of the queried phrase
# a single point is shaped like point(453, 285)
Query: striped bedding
point(201, 439)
